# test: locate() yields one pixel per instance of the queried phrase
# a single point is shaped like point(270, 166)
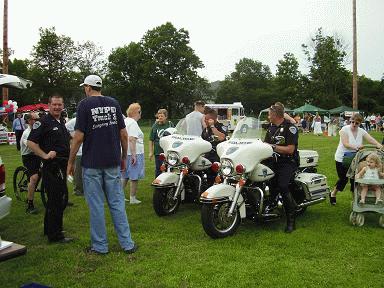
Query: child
point(371, 171)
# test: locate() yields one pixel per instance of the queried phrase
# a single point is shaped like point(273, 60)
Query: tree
point(172, 66)
point(328, 75)
point(90, 59)
point(249, 83)
point(22, 68)
point(371, 96)
point(159, 72)
point(127, 76)
point(54, 62)
point(289, 81)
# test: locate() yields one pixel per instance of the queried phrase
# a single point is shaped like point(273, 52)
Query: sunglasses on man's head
point(273, 108)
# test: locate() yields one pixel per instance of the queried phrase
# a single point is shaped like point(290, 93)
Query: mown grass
point(324, 251)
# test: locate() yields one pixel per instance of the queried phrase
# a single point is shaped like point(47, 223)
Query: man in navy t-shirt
point(100, 127)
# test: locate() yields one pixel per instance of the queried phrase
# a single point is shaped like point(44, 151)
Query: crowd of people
point(320, 124)
point(104, 150)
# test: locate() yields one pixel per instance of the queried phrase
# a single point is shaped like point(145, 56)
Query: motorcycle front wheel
point(163, 202)
point(216, 222)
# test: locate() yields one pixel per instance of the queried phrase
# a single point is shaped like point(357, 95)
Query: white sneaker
point(134, 201)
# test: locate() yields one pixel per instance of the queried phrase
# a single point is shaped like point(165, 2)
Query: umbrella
point(34, 107)
point(12, 81)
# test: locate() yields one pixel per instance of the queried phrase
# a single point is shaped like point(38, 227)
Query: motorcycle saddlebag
point(315, 185)
point(308, 158)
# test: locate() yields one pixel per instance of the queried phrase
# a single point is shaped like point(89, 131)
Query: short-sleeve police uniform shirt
point(208, 134)
point(288, 133)
point(51, 135)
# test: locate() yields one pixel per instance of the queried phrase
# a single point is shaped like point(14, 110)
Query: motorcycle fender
point(166, 179)
point(222, 191)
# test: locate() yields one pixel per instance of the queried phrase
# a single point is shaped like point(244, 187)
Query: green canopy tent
point(342, 109)
point(308, 108)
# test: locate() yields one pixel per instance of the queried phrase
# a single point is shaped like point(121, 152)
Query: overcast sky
point(221, 31)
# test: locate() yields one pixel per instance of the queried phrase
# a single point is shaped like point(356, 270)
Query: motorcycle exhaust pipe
point(311, 202)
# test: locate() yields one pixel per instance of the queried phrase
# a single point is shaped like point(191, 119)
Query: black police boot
point(291, 223)
point(290, 211)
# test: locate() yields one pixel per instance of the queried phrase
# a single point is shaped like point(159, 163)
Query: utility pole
point(355, 99)
point(5, 46)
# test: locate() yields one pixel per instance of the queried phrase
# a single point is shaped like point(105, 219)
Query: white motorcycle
point(245, 190)
point(184, 174)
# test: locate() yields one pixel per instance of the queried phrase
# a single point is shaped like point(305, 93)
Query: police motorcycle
point(185, 168)
point(245, 189)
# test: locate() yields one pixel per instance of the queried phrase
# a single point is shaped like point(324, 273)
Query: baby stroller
point(358, 209)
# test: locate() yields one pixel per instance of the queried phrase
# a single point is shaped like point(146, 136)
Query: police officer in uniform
point(214, 132)
point(49, 139)
point(283, 137)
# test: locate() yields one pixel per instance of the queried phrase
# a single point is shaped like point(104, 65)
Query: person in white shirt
point(30, 161)
point(78, 173)
point(135, 160)
point(351, 140)
point(195, 119)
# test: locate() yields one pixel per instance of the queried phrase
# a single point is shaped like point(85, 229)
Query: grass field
point(324, 251)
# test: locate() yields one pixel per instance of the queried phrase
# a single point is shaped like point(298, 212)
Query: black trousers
point(18, 134)
point(284, 171)
point(343, 179)
point(55, 185)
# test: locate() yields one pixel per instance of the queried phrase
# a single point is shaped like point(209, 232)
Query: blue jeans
point(100, 184)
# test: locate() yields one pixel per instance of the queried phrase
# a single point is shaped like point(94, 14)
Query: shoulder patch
point(36, 125)
point(293, 129)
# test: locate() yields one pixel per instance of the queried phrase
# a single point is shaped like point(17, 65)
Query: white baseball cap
point(92, 80)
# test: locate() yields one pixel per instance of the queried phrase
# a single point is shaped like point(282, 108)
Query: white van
point(228, 114)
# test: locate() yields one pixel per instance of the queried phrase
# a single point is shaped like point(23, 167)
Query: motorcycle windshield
point(181, 127)
point(248, 128)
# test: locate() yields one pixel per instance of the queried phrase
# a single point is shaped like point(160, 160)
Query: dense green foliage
point(161, 71)
point(324, 251)
point(327, 85)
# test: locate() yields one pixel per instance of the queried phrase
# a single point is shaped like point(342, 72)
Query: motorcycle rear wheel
point(216, 222)
point(163, 202)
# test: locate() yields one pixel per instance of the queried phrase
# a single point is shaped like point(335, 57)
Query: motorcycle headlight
point(226, 167)
point(173, 158)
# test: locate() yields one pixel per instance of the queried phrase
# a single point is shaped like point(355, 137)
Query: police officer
point(49, 139)
point(283, 137)
point(214, 132)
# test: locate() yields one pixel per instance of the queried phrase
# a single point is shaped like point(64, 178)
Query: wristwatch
point(273, 147)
